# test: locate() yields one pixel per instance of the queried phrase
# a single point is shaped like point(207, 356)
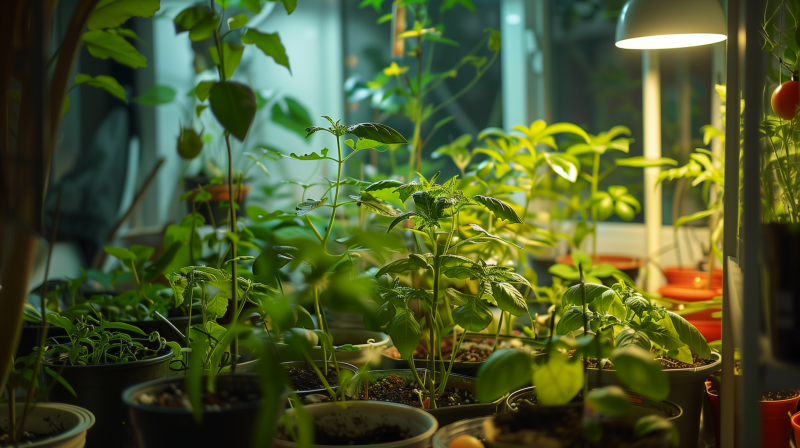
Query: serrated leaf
point(570, 321)
point(303, 208)
point(499, 208)
point(473, 316)
point(639, 372)
point(383, 185)
point(217, 306)
point(376, 131)
point(377, 206)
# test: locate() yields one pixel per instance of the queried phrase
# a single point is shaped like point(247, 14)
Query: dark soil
point(564, 424)
point(339, 435)
point(778, 395)
point(306, 379)
point(173, 397)
point(471, 350)
point(396, 390)
point(670, 363)
point(523, 401)
point(28, 437)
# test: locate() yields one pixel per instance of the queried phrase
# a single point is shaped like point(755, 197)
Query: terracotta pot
point(692, 277)
point(796, 426)
point(625, 263)
point(218, 193)
point(775, 421)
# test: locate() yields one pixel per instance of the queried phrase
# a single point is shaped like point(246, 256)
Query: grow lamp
point(653, 25)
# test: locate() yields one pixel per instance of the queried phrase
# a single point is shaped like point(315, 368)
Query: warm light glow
point(670, 41)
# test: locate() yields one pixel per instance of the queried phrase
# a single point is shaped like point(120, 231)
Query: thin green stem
point(321, 377)
point(335, 197)
point(595, 181)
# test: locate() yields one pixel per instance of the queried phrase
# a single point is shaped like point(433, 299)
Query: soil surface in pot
point(306, 379)
point(471, 350)
point(329, 434)
point(564, 424)
point(171, 396)
point(666, 362)
point(776, 395)
point(396, 390)
point(28, 437)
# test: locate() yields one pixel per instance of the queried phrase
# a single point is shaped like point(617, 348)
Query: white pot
point(74, 419)
point(370, 414)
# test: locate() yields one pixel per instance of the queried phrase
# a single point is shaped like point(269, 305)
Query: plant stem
point(335, 196)
point(234, 230)
point(322, 378)
point(497, 334)
point(595, 181)
point(446, 376)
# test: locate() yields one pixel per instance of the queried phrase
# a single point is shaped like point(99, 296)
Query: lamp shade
point(656, 24)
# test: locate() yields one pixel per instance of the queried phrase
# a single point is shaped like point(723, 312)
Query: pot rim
point(427, 434)
point(318, 362)
point(132, 391)
point(701, 369)
point(629, 261)
point(768, 402)
point(87, 420)
point(117, 366)
point(525, 340)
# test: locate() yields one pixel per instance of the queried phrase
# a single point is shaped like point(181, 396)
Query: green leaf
point(653, 423)
point(509, 299)
point(293, 117)
point(629, 336)
point(639, 372)
point(503, 372)
point(106, 325)
point(399, 219)
point(104, 45)
point(106, 83)
point(199, 109)
point(128, 33)
point(290, 5)
point(199, 20)
point(405, 332)
point(624, 211)
point(642, 162)
point(499, 208)
point(682, 354)
point(558, 380)
point(458, 298)
point(269, 43)
point(610, 400)
point(690, 336)
point(694, 216)
point(217, 306)
point(155, 95)
point(203, 89)
point(60, 379)
point(383, 185)
point(234, 105)
point(303, 208)
point(474, 316)
point(59, 321)
point(377, 206)
point(376, 131)
point(237, 21)
point(494, 40)
point(119, 253)
point(562, 166)
point(313, 156)
point(570, 321)
point(113, 13)
point(486, 237)
point(593, 291)
point(564, 271)
point(232, 55)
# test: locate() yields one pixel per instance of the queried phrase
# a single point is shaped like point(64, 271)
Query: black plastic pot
point(165, 330)
point(98, 389)
point(782, 244)
point(323, 391)
point(163, 427)
point(687, 390)
point(444, 415)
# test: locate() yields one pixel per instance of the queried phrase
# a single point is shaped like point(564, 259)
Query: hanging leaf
point(503, 372)
point(383, 185)
point(106, 83)
point(499, 208)
point(377, 206)
point(234, 105)
point(190, 144)
point(217, 306)
point(690, 336)
point(509, 299)
point(405, 333)
point(232, 55)
point(104, 45)
point(558, 380)
point(113, 13)
point(303, 208)
point(199, 20)
point(376, 131)
point(474, 316)
point(570, 321)
point(269, 43)
point(399, 219)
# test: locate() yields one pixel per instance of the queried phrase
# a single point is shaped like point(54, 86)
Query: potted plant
point(98, 362)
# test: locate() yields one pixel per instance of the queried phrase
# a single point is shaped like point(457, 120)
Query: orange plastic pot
point(692, 277)
point(796, 426)
point(688, 293)
point(775, 421)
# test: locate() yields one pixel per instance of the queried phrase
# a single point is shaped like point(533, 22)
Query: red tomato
point(785, 99)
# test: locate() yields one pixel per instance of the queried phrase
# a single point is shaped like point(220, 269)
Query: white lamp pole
point(651, 86)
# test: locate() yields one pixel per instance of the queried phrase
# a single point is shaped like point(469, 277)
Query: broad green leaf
point(303, 208)
point(59, 321)
point(269, 43)
point(155, 95)
point(232, 55)
point(499, 208)
point(654, 423)
point(399, 219)
point(237, 21)
point(120, 253)
point(609, 400)
point(290, 5)
point(573, 295)
point(203, 89)
point(564, 271)
point(682, 354)
point(629, 336)
point(293, 116)
point(642, 162)
point(199, 20)
point(558, 380)
point(639, 372)
point(376, 131)
point(234, 105)
point(509, 299)
point(458, 298)
point(106, 83)
point(503, 372)
point(113, 13)
point(690, 336)
point(405, 333)
point(216, 306)
point(570, 321)
point(104, 45)
point(474, 316)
